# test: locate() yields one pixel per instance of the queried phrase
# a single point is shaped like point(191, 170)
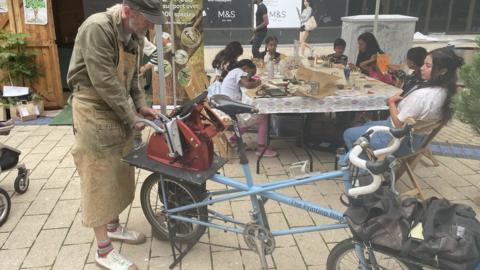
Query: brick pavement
point(44, 229)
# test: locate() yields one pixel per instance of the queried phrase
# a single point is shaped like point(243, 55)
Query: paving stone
point(473, 179)
point(277, 221)
point(471, 192)
point(160, 249)
point(79, 234)
point(251, 260)
point(15, 141)
point(67, 162)
point(32, 160)
point(138, 222)
point(44, 169)
point(288, 258)
point(92, 266)
point(72, 191)
point(449, 175)
point(446, 190)
point(12, 259)
point(55, 135)
point(222, 241)
point(60, 178)
point(38, 268)
point(296, 217)
point(313, 248)
point(63, 214)
point(72, 257)
point(33, 189)
point(32, 141)
point(45, 202)
point(45, 249)
point(25, 232)
point(44, 147)
point(161, 263)
point(16, 212)
point(231, 260)
point(57, 153)
point(456, 166)
point(66, 140)
point(3, 238)
point(139, 254)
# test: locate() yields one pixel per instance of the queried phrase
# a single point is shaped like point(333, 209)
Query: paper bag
point(325, 81)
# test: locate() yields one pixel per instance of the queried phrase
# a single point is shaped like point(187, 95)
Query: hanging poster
point(282, 13)
point(227, 14)
point(183, 52)
point(3, 6)
point(35, 12)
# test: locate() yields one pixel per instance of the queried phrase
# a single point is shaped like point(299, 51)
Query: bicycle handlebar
point(151, 124)
point(378, 167)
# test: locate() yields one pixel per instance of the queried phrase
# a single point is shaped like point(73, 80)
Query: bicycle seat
point(229, 106)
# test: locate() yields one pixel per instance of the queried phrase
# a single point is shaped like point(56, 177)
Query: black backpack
point(381, 218)
point(451, 235)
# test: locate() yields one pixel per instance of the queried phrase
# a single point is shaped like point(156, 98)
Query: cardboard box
point(3, 113)
point(25, 110)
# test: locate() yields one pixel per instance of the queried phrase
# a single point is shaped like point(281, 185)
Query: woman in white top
point(429, 105)
point(304, 16)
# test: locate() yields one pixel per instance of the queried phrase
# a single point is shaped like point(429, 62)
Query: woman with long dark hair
point(307, 12)
point(367, 51)
point(429, 106)
point(225, 58)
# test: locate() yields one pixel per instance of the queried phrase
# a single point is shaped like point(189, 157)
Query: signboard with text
point(282, 13)
point(227, 14)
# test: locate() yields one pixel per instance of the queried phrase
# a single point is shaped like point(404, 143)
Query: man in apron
point(103, 75)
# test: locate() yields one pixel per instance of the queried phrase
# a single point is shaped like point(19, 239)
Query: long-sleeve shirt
point(150, 50)
point(95, 59)
point(306, 13)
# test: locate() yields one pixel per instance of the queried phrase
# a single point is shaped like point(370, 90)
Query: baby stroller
point(9, 161)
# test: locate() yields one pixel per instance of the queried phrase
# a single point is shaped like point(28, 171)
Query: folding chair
point(409, 162)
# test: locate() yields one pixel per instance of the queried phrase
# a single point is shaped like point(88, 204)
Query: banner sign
point(227, 13)
point(183, 52)
point(282, 13)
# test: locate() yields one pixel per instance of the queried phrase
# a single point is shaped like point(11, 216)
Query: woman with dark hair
point(415, 59)
point(225, 58)
point(429, 106)
point(367, 51)
point(304, 16)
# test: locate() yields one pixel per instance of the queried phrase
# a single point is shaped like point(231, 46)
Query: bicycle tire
point(179, 194)
point(5, 206)
point(347, 247)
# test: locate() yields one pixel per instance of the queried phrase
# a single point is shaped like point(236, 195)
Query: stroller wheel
point(22, 181)
point(4, 206)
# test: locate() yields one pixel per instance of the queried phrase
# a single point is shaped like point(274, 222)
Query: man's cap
point(151, 9)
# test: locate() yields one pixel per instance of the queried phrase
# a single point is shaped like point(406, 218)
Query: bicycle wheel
point(22, 181)
point(178, 194)
point(4, 206)
point(343, 256)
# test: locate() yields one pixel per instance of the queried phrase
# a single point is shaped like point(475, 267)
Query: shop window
point(459, 18)
point(476, 18)
point(439, 16)
point(418, 8)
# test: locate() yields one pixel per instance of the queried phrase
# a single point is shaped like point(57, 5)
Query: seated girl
point(241, 76)
point(225, 58)
point(271, 43)
point(428, 106)
point(415, 58)
point(367, 52)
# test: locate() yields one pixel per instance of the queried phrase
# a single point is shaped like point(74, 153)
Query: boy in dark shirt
point(338, 57)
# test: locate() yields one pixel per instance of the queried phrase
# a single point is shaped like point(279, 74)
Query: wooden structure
point(42, 40)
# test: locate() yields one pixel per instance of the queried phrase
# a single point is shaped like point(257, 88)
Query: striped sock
point(104, 247)
point(113, 225)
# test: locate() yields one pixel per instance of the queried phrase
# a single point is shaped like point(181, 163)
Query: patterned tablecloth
point(372, 97)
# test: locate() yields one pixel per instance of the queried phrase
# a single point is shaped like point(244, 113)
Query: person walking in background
point(304, 16)
point(260, 31)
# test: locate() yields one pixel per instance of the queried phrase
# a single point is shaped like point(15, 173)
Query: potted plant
point(468, 104)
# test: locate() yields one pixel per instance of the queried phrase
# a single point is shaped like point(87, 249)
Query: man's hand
point(393, 100)
point(139, 126)
point(148, 113)
point(145, 68)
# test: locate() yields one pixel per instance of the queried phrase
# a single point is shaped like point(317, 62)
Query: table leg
point(267, 144)
point(306, 121)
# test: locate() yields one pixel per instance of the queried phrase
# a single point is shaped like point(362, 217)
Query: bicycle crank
point(260, 240)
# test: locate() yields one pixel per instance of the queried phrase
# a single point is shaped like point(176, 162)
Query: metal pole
point(161, 72)
point(174, 72)
point(375, 22)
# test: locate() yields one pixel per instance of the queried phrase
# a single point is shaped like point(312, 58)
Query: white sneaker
point(114, 261)
point(127, 236)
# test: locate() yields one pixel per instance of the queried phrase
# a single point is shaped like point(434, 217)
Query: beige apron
point(101, 140)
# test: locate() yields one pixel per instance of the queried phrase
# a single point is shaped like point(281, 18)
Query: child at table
point(338, 57)
point(271, 44)
point(239, 76)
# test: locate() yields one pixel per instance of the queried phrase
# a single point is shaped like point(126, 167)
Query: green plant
point(35, 5)
point(468, 103)
point(16, 61)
